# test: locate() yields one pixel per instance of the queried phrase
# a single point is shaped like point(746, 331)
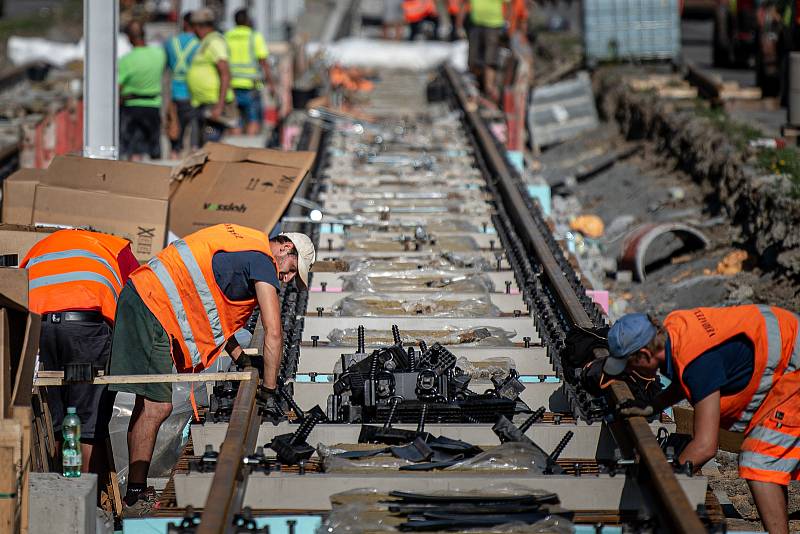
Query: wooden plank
point(56, 378)
point(5, 364)
point(8, 490)
point(684, 423)
point(24, 416)
point(23, 383)
point(113, 480)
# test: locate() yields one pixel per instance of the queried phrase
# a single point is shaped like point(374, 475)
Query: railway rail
point(408, 159)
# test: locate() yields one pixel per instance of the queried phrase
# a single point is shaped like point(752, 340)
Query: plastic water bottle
point(71, 448)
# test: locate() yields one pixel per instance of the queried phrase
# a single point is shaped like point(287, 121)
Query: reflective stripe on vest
point(181, 55)
point(248, 69)
point(203, 291)
point(756, 460)
point(74, 276)
point(773, 437)
point(794, 363)
point(773, 360)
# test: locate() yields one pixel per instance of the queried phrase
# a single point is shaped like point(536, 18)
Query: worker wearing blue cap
point(740, 368)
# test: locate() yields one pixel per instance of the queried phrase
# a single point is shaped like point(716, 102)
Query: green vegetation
point(784, 161)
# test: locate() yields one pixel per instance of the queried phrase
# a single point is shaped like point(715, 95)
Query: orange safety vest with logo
point(179, 287)
point(75, 270)
point(416, 10)
point(774, 333)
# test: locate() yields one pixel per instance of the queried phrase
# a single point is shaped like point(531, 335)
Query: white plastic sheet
point(23, 50)
point(404, 55)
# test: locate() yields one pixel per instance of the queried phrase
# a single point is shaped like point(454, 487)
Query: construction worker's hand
point(635, 408)
point(216, 111)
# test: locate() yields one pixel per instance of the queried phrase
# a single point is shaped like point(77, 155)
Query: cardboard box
point(127, 199)
point(247, 186)
point(19, 190)
point(16, 240)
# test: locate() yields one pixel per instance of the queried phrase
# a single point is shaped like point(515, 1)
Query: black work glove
point(635, 408)
point(245, 360)
point(270, 405)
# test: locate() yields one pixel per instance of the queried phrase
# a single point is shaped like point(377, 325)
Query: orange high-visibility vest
point(75, 270)
point(454, 6)
point(519, 14)
point(179, 287)
point(774, 334)
point(416, 10)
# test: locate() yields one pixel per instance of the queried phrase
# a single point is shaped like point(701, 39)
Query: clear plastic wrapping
point(450, 243)
point(356, 518)
point(510, 456)
point(462, 261)
point(435, 305)
point(497, 367)
point(331, 463)
point(421, 280)
point(487, 336)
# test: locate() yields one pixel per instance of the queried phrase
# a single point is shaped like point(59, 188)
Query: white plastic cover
point(403, 55)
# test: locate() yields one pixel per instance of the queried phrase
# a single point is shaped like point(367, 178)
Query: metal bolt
point(485, 227)
point(557, 419)
point(508, 287)
point(517, 313)
point(313, 376)
point(319, 311)
point(330, 244)
point(291, 524)
point(302, 466)
point(577, 467)
point(499, 259)
point(324, 286)
point(491, 244)
point(314, 341)
point(527, 341)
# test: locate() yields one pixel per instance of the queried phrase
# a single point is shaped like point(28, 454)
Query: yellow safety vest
point(245, 71)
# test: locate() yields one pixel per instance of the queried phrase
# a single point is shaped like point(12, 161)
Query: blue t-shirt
point(237, 272)
point(728, 367)
point(185, 44)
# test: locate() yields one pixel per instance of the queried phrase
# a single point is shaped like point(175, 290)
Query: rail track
point(414, 184)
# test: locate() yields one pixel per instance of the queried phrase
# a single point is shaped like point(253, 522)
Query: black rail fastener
point(314, 341)
point(527, 341)
point(320, 309)
point(508, 287)
point(535, 417)
point(330, 244)
point(396, 335)
point(422, 415)
point(292, 448)
point(392, 410)
point(323, 286)
point(361, 339)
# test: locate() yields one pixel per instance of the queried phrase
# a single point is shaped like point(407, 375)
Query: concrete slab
point(322, 326)
point(546, 394)
point(530, 361)
point(70, 503)
point(333, 281)
point(506, 303)
point(590, 441)
point(312, 491)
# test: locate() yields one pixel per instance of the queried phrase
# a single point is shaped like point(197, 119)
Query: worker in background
point(518, 18)
point(487, 18)
point(459, 18)
point(183, 307)
point(74, 280)
point(249, 67)
point(393, 20)
point(180, 51)
point(140, 74)
point(209, 78)
point(740, 369)
point(419, 12)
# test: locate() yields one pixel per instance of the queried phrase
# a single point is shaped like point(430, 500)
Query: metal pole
point(100, 93)
point(261, 17)
point(231, 7)
point(794, 89)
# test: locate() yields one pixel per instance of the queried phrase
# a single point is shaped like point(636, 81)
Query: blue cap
point(631, 333)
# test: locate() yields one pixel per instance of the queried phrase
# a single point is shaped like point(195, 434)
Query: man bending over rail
point(740, 368)
point(183, 307)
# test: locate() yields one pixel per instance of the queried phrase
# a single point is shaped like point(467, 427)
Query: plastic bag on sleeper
point(478, 336)
point(331, 463)
point(510, 456)
point(420, 280)
point(435, 305)
point(496, 367)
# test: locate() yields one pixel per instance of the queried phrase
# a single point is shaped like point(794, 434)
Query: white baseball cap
point(306, 255)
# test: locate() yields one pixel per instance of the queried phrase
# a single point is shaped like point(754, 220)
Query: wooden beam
point(5, 364)
point(56, 378)
point(23, 383)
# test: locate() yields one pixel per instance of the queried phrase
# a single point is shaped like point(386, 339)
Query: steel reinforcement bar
point(656, 474)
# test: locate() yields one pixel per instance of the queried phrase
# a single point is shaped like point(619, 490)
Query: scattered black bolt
point(313, 376)
point(491, 244)
point(302, 467)
point(527, 341)
point(324, 286)
point(330, 244)
point(314, 341)
point(577, 468)
point(517, 313)
point(319, 311)
point(508, 287)
point(291, 524)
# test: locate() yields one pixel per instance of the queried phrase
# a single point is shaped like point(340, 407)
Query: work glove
point(270, 405)
point(635, 408)
point(245, 360)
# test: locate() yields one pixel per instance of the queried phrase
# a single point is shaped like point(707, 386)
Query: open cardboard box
point(16, 240)
point(127, 199)
point(247, 186)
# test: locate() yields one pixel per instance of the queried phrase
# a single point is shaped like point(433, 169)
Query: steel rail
point(671, 503)
point(230, 476)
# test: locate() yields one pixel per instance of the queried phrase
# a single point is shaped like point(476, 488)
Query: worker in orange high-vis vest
point(740, 369)
point(417, 13)
point(183, 307)
point(459, 21)
point(75, 278)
